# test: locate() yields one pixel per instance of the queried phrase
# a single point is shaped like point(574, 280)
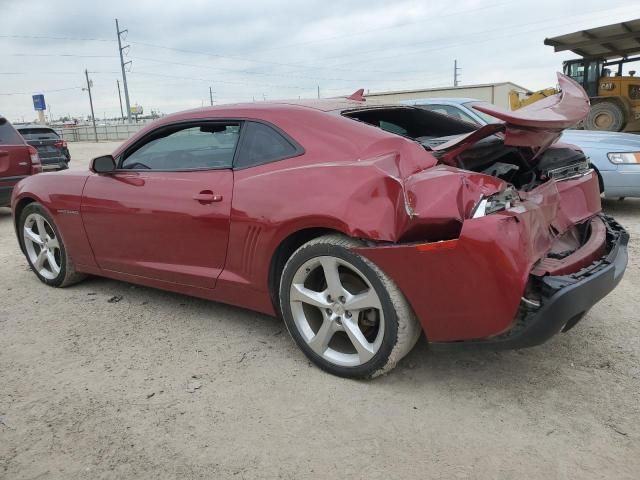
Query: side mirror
point(104, 164)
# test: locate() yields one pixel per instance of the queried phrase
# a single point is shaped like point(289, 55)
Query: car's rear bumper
point(564, 299)
point(54, 163)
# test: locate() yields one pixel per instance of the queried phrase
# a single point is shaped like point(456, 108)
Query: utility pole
point(211, 96)
point(318, 91)
point(93, 117)
point(122, 65)
point(456, 69)
point(120, 98)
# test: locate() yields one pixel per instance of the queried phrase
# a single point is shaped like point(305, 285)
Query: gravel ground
point(108, 380)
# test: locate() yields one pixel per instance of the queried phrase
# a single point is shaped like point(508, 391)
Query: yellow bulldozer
point(615, 98)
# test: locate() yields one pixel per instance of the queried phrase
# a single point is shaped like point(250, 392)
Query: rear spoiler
point(537, 125)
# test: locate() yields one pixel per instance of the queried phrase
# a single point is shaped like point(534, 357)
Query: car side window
point(8, 135)
point(262, 144)
point(450, 110)
point(207, 145)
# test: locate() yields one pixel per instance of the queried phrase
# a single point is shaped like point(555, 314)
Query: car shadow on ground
point(463, 368)
point(615, 207)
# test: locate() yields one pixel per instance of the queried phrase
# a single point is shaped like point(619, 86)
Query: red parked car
point(362, 226)
point(17, 160)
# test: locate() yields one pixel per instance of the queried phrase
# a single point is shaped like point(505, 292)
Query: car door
point(164, 213)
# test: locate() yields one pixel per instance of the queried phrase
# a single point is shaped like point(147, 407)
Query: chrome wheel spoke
point(40, 259)
point(42, 231)
point(365, 350)
point(299, 293)
point(332, 276)
point(54, 244)
point(320, 342)
point(32, 236)
point(362, 301)
point(53, 265)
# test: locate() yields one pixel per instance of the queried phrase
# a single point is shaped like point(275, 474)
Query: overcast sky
point(271, 49)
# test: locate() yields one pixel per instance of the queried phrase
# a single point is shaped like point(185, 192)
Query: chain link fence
point(84, 133)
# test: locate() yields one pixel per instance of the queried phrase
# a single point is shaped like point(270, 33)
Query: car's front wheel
point(44, 248)
point(345, 314)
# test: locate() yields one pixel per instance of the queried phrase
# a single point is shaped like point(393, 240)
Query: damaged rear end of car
point(506, 244)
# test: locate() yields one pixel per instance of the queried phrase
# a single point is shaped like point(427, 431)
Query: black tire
point(67, 274)
point(606, 116)
point(401, 328)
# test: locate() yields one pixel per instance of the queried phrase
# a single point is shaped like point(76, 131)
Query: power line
point(41, 91)
point(421, 20)
point(154, 74)
point(454, 40)
point(358, 53)
point(248, 72)
point(38, 73)
point(46, 37)
point(438, 46)
point(56, 55)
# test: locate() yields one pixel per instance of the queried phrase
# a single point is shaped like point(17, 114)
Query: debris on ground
point(193, 386)
point(115, 299)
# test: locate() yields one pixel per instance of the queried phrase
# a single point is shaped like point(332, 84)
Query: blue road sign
point(38, 102)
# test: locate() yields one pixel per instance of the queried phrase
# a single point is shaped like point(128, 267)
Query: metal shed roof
point(610, 41)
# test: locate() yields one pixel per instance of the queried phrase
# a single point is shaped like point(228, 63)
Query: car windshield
point(484, 116)
point(38, 133)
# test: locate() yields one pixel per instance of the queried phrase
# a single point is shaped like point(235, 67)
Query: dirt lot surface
point(107, 380)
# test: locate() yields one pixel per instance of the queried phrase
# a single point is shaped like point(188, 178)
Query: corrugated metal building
point(496, 93)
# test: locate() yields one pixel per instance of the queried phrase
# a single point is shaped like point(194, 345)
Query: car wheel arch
point(600, 180)
point(17, 213)
point(283, 251)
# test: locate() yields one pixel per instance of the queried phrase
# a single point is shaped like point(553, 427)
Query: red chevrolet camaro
point(361, 225)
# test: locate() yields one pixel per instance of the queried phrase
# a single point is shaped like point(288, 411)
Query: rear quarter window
point(263, 144)
point(8, 134)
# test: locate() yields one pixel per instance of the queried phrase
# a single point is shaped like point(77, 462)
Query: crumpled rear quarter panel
point(471, 288)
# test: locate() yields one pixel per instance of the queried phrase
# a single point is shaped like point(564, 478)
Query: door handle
point(207, 196)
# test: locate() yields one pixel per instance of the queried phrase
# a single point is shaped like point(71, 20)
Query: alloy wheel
point(42, 246)
point(337, 311)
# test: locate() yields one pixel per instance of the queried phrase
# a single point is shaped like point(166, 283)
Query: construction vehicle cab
point(615, 97)
point(586, 72)
point(604, 51)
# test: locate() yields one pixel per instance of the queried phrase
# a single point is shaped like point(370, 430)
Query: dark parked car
point(361, 225)
point(17, 160)
point(53, 150)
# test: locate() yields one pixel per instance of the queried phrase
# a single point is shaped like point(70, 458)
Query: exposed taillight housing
point(60, 144)
point(36, 165)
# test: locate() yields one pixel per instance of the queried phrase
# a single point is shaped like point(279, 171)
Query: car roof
point(292, 107)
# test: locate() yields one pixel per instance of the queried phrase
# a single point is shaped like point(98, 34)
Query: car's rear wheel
point(345, 314)
point(44, 248)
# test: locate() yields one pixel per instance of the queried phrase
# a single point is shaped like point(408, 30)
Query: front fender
point(60, 193)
